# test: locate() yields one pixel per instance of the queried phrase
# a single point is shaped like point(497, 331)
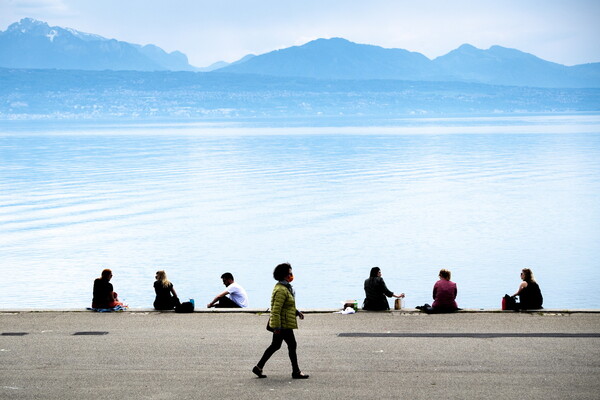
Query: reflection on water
point(333, 205)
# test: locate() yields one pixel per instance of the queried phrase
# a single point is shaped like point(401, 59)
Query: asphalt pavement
point(399, 355)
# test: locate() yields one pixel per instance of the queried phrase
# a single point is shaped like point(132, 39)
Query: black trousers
point(166, 303)
point(286, 335)
point(226, 302)
point(437, 310)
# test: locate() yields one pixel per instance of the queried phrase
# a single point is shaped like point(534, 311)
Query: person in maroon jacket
point(444, 295)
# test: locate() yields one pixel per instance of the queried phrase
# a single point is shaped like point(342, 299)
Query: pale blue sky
point(563, 31)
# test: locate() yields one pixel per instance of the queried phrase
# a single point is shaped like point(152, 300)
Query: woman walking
point(282, 321)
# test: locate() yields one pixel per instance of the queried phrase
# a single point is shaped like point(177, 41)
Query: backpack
point(185, 307)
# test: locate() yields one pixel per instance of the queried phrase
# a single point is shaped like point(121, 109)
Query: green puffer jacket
point(283, 308)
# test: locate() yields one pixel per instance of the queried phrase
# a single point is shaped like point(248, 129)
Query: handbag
point(269, 325)
point(509, 303)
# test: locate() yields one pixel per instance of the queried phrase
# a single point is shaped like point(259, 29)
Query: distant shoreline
point(586, 122)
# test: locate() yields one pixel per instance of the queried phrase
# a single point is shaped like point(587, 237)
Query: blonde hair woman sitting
point(164, 289)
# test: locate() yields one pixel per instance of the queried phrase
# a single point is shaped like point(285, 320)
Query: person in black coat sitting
point(530, 295)
point(163, 288)
point(376, 292)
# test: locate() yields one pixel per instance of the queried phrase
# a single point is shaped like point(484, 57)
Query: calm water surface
point(483, 200)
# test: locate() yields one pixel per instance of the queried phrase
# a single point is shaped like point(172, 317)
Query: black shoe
point(258, 372)
point(299, 375)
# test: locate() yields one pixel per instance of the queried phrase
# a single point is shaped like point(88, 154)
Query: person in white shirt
point(237, 295)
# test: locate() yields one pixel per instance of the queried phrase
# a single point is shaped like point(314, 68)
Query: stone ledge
point(306, 311)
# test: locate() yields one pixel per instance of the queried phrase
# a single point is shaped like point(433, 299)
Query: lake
point(483, 197)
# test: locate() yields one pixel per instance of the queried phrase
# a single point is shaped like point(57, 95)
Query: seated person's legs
point(226, 302)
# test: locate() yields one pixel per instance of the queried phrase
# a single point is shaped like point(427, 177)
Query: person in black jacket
point(104, 296)
point(376, 292)
point(530, 295)
point(166, 297)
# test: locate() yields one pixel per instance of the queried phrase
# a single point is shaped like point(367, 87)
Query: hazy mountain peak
point(339, 43)
point(494, 51)
point(321, 44)
point(466, 49)
point(30, 43)
point(337, 58)
point(28, 25)
point(335, 41)
point(31, 26)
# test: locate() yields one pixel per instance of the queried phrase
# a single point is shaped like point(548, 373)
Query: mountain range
point(338, 58)
point(33, 44)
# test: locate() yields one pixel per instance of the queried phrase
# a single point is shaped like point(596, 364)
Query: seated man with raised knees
point(237, 295)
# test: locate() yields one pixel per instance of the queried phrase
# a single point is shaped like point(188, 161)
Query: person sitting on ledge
point(163, 289)
point(444, 295)
point(104, 296)
point(376, 292)
point(529, 293)
point(237, 295)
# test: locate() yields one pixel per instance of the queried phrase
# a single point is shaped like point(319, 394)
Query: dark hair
point(281, 271)
point(444, 273)
point(374, 272)
point(106, 273)
point(227, 275)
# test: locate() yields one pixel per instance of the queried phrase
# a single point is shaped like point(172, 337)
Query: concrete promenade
point(208, 355)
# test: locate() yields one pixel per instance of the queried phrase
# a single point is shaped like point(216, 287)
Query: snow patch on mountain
point(51, 35)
